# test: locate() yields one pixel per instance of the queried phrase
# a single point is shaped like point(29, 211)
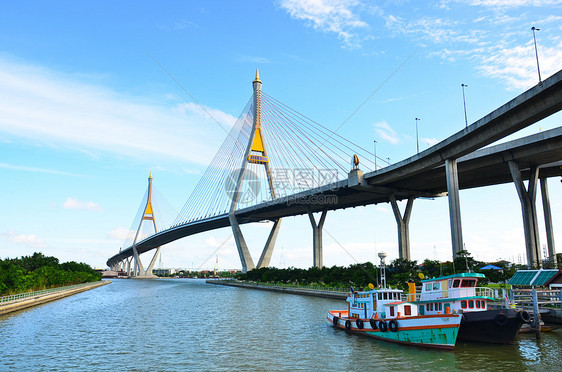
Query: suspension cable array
point(163, 214)
point(301, 154)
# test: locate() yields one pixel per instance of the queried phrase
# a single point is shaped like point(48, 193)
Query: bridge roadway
point(422, 175)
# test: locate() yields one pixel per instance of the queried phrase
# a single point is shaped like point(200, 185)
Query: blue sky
point(86, 113)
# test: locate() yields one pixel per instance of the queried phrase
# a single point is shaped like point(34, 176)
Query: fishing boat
point(381, 314)
point(458, 294)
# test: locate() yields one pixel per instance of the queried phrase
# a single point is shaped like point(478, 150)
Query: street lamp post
point(536, 53)
point(464, 103)
point(375, 144)
point(417, 138)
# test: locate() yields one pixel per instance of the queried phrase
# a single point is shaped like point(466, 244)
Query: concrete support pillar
point(454, 206)
point(317, 237)
point(527, 198)
point(403, 227)
point(265, 257)
point(148, 272)
point(243, 251)
point(138, 268)
point(129, 266)
point(548, 223)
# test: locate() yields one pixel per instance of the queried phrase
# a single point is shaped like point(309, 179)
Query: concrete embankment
point(297, 291)
point(23, 303)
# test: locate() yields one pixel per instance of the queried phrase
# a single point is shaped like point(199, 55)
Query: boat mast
point(382, 256)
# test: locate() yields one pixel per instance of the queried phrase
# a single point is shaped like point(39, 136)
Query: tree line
point(397, 273)
point(37, 272)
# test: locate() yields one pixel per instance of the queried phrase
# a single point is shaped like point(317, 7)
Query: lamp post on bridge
point(464, 103)
point(375, 144)
point(417, 139)
point(536, 53)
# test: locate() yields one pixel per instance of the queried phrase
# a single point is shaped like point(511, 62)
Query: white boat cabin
point(454, 293)
point(383, 303)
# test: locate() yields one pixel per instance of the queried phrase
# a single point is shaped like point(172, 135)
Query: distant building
point(164, 272)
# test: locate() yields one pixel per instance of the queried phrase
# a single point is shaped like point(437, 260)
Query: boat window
point(468, 283)
point(428, 286)
point(483, 304)
point(470, 304)
point(380, 296)
point(431, 306)
point(440, 307)
point(407, 310)
point(456, 283)
point(436, 286)
point(385, 296)
point(450, 282)
point(392, 311)
point(463, 304)
point(477, 304)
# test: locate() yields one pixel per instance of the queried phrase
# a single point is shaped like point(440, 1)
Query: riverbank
point(41, 298)
point(324, 293)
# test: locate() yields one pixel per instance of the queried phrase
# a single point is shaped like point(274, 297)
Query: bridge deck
point(422, 174)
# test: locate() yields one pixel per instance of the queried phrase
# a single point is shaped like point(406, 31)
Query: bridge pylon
point(148, 215)
point(256, 153)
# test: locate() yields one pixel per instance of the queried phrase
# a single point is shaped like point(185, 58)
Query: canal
point(180, 324)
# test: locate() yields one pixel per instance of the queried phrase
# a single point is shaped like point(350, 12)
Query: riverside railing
point(20, 296)
point(453, 293)
point(293, 286)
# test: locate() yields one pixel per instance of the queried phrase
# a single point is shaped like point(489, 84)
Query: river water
point(182, 324)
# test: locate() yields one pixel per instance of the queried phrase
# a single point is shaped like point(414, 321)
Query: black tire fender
point(359, 323)
point(382, 326)
point(393, 325)
point(347, 325)
point(373, 323)
point(335, 321)
point(524, 317)
point(501, 319)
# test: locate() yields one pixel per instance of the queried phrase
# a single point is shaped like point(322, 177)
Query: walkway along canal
point(22, 301)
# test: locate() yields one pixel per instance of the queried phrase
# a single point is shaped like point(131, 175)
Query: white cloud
point(434, 30)
point(52, 108)
point(384, 131)
point(332, 16)
point(517, 66)
point(72, 203)
point(254, 59)
point(30, 240)
point(120, 234)
point(508, 3)
point(429, 141)
point(37, 170)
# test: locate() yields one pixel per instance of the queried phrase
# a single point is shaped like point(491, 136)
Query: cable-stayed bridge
point(276, 163)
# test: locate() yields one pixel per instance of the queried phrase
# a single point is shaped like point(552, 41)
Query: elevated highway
point(458, 162)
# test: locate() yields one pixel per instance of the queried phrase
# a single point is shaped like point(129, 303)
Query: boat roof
point(376, 290)
point(459, 275)
point(396, 303)
point(533, 277)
